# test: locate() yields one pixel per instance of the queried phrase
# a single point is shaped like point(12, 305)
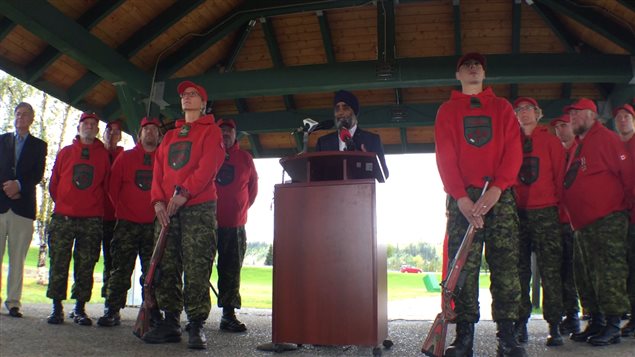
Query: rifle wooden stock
point(434, 344)
point(142, 325)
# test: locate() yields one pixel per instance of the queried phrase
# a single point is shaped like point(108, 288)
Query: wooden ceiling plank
point(88, 20)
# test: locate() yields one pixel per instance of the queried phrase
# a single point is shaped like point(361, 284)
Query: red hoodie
point(130, 183)
point(630, 147)
point(539, 182)
point(79, 180)
point(189, 156)
point(237, 187)
point(604, 179)
point(109, 210)
point(477, 136)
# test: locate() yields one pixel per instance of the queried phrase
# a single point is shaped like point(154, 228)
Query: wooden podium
point(329, 274)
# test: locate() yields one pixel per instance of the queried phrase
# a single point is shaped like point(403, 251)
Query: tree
point(269, 259)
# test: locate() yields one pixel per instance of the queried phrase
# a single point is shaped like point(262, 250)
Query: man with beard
point(237, 187)
point(129, 191)
point(346, 110)
point(625, 124)
point(597, 184)
point(477, 136)
point(571, 322)
point(78, 188)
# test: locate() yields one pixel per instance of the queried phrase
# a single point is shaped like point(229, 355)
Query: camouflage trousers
point(500, 238)
point(600, 248)
point(540, 233)
point(129, 241)
point(569, 291)
point(232, 245)
point(189, 253)
point(85, 233)
point(109, 227)
point(631, 265)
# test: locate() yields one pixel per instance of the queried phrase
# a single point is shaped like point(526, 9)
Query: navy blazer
point(371, 141)
point(29, 171)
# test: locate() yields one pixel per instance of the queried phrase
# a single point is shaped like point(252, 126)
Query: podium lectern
point(329, 273)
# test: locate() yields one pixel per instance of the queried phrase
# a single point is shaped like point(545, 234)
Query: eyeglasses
point(190, 94)
point(524, 108)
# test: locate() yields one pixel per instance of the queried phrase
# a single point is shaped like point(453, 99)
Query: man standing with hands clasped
point(477, 136)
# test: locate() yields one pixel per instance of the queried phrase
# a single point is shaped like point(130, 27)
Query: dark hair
point(24, 105)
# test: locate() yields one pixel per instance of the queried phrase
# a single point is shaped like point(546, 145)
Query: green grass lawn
point(256, 284)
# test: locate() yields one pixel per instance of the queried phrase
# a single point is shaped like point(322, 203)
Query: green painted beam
point(88, 20)
point(630, 4)
point(254, 142)
point(52, 26)
point(135, 43)
point(566, 91)
point(516, 24)
point(567, 39)
point(299, 141)
point(237, 18)
point(456, 14)
point(403, 133)
point(238, 45)
point(386, 31)
point(133, 110)
point(241, 105)
point(411, 72)
point(6, 26)
point(276, 56)
point(595, 21)
point(398, 96)
point(325, 30)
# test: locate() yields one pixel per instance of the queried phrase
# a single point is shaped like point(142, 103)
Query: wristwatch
point(180, 190)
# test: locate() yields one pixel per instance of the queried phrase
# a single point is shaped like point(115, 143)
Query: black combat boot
point(554, 338)
point(197, 339)
point(111, 318)
point(594, 326)
point(463, 342)
point(520, 331)
point(570, 324)
point(230, 323)
point(168, 330)
point(508, 346)
point(57, 314)
point(629, 328)
point(610, 333)
point(79, 314)
point(156, 317)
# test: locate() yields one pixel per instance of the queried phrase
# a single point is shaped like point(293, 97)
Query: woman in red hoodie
point(184, 199)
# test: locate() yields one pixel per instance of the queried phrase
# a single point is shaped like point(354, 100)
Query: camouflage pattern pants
point(129, 241)
point(631, 265)
point(109, 227)
point(189, 252)
point(500, 238)
point(85, 233)
point(569, 292)
point(540, 233)
point(232, 245)
point(600, 248)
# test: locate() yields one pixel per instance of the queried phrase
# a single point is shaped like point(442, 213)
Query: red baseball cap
point(88, 116)
point(565, 118)
point(472, 56)
point(189, 84)
point(582, 104)
point(114, 123)
point(229, 122)
point(152, 121)
point(526, 99)
point(626, 107)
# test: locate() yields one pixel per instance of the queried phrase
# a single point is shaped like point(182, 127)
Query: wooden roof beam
point(91, 18)
point(6, 26)
point(276, 56)
point(386, 31)
point(325, 30)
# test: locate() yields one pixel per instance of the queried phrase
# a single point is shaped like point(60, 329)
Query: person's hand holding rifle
point(434, 344)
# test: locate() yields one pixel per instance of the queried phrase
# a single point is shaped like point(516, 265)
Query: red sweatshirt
point(630, 147)
point(237, 187)
point(539, 182)
point(130, 183)
point(477, 136)
point(79, 180)
point(189, 156)
point(604, 178)
point(109, 210)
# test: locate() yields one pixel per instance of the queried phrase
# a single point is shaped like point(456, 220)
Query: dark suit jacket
point(29, 171)
point(372, 143)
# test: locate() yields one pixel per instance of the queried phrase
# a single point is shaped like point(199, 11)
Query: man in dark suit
point(346, 109)
point(22, 161)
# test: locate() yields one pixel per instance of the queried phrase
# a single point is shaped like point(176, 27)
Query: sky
point(410, 204)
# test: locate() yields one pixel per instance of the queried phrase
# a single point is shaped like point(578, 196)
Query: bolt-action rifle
point(434, 344)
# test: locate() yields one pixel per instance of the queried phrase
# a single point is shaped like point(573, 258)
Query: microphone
point(347, 138)
point(310, 125)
